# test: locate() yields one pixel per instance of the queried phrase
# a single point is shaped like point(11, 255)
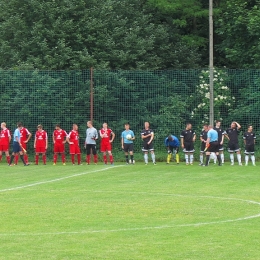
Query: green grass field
point(129, 212)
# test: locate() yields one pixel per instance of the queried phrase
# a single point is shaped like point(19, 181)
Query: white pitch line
point(58, 179)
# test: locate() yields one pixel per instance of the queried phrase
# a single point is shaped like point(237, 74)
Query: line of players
point(209, 137)
point(188, 137)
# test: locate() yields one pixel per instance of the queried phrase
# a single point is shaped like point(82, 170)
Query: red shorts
point(74, 149)
point(59, 148)
point(40, 150)
point(24, 145)
point(105, 147)
point(4, 147)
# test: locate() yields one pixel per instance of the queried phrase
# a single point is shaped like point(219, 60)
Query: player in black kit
point(203, 139)
point(221, 134)
point(249, 141)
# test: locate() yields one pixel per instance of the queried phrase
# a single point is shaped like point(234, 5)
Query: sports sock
point(95, 158)
point(72, 158)
point(63, 158)
point(126, 159)
point(36, 159)
point(79, 158)
point(111, 158)
point(222, 157)
point(201, 158)
point(132, 157)
point(16, 157)
point(153, 157)
point(44, 158)
point(232, 158)
point(215, 157)
point(25, 156)
point(169, 156)
point(8, 159)
point(239, 158)
point(22, 158)
point(177, 158)
point(11, 160)
point(219, 159)
point(253, 159)
point(105, 159)
point(207, 160)
point(88, 159)
point(247, 158)
point(55, 158)
point(191, 158)
point(146, 158)
point(186, 158)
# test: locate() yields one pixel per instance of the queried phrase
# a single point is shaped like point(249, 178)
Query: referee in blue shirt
point(213, 145)
point(17, 146)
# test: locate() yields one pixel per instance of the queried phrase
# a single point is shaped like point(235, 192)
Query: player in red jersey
point(107, 137)
point(73, 140)
point(59, 140)
point(25, 137)
point(40, 144)
point(5, 138)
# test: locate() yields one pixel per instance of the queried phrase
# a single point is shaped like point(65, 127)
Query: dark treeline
point(123, 34)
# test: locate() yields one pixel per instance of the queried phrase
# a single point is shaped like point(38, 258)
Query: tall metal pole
point(211, 68)
point(91, 95)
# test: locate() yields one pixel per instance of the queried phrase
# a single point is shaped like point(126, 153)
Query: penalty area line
point(57, 179)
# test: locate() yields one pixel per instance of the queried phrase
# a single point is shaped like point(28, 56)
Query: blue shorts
point(16, 147)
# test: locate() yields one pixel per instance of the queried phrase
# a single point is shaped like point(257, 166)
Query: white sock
point(186, 158)
point(191, 158)
point(222, 157)
point(239, 158)
point(201, 158)
point(246, 158)
point(215, 157)
point(146, 158)
point(253, 159)
point(153, 157)
point(232, 158)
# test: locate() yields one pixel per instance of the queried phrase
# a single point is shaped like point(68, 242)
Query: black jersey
point(204, 135)
point(249, 137)
point(146, 132)
point(187, 135)
point(233, 135)
point(220, 132)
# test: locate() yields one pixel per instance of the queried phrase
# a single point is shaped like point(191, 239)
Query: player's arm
point(122, 142)
point(113, 137)
point(222, 139)
point(46, 141)
point(201, 139)
point(53, 138)
point(225, 135)
point(238, 125)
point(244, 138)
point(34, 144)
point(194, 137)
point(182, 141)
point(152, 137)
point(133, 136)
point(10, 137)
point(29, 135)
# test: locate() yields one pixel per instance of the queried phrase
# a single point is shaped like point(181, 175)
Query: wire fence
point(167, 99)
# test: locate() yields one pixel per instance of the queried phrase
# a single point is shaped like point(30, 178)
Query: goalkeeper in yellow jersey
point(172, 144)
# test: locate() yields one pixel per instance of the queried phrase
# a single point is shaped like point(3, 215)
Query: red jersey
point(41, 137)
point(4, 136)
point(24, 134)
point(107, 134)
point(74, 137)
point(59, 136)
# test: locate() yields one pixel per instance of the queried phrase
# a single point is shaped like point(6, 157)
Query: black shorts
point(93, 147)
point(147, 147)
point(220, 147)
point(176, 149)
point(250, 149)
point(188, 147)
point(233, 147)
point(202, 147)
point(213, 147)
point(16, 147)
point(128, 147)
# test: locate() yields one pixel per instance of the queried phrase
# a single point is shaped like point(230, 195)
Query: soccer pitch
point(130, 212)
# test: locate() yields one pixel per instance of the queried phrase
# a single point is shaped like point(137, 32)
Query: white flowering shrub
point(223, 100)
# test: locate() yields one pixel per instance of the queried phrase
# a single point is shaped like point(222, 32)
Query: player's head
point(170, 138)
point(205, 127)
point(89, 124)
point(105, 125)
point(249, 128)
point(75, 127)
point(146, 125)
point(233, 125)
point(19, 124)
point(57, 127)
point(127, 126)
point(188, 126)
point(218, 123)
point(39, 127)
point(210, 127)
point(3, 125)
